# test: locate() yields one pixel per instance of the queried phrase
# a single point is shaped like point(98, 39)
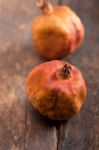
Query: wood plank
point(21, 127)
point(19, 12)
point(82, 131)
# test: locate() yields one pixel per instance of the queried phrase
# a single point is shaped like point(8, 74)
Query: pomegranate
point(56, 89)
point(57, 32)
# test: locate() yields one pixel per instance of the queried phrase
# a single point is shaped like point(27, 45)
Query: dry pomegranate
point(57, 32)
point(56, 89)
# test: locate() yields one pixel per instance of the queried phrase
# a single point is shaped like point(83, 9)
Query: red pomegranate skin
point(55, 94)
point(57, 32)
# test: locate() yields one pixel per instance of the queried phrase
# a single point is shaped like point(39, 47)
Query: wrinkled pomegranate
point(56, 89)
point(57, 32)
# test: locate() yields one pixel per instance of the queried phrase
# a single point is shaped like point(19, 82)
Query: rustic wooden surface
point(21, 127)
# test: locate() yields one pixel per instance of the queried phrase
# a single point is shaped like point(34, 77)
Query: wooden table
point(22, 127)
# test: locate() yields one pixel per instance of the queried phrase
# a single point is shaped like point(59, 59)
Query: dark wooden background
point(21, 127)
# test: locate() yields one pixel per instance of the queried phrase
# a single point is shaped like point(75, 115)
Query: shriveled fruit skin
point(58, 33)
point(55, 97)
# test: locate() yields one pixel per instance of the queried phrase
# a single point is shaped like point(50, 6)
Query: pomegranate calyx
point(65, 72)
point(45, 6)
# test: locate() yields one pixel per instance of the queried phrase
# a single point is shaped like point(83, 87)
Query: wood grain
point(21, 127)
point(82, 131)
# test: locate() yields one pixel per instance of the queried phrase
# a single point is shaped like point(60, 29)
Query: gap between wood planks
point(60, 128)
